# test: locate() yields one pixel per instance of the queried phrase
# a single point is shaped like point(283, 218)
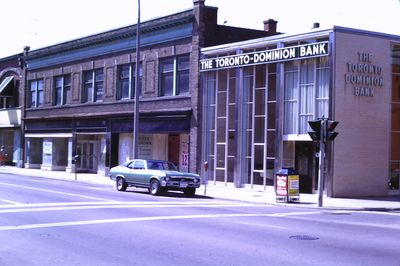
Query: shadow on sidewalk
point(393, 198)
point(382, 209)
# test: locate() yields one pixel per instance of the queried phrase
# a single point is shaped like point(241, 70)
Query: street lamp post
point(136, 113)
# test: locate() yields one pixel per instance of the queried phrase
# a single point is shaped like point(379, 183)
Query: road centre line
point(200, 216)
point(136, 219)
point(55, 192)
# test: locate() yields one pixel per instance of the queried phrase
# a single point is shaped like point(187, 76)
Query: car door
point(129, 172)
point(138, 172)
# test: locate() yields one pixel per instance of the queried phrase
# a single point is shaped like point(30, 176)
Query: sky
point(41, 23)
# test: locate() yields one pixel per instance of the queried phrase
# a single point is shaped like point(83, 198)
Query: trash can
point(287, 185)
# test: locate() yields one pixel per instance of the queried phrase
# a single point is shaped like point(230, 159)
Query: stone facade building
point(260, 95)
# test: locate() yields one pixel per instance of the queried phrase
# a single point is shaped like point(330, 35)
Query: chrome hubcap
point(154, 187)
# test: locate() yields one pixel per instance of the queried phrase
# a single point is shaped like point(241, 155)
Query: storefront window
point(271, 124)
point(240, 124)
point(209, 119)
point(322, 87)
point(306, 94)
point(291, 97)
point(221, 124)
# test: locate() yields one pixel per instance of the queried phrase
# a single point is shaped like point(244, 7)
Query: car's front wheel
point(121, 184)
point(155, 188)
point(189, 192)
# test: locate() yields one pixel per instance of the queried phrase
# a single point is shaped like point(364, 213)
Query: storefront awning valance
point(48, 135)
point(4, 84)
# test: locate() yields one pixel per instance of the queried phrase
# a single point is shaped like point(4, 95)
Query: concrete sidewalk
point(219, 190)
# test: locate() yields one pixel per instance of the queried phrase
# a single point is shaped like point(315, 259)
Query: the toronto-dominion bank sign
point(266, 56)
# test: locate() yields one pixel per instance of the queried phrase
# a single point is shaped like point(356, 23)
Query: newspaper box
point(287, 185)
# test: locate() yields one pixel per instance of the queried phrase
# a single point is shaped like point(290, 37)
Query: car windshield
point(161, 165)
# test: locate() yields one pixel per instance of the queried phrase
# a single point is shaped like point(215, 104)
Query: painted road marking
point(11, 202)
point(81, 203)
point(183, 217)
point(115, 205)
point(68, 206)
point(126, 220)
point(263, 225)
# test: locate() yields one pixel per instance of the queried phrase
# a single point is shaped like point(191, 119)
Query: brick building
point(79, 95)
point(11, 99)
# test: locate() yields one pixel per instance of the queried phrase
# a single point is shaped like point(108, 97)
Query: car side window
point(155, 165)
point(130, 165)
point(170, 166)
point(139, 165)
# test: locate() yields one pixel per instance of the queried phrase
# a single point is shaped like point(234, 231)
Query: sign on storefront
point(364, 75)
point(267, 56)
point(47, 147)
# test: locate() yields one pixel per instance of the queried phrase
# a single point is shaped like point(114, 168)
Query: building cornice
point(114, 35)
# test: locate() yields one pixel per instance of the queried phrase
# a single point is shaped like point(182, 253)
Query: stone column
point(70, 167)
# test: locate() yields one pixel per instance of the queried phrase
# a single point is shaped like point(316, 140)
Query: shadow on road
point(168, 194)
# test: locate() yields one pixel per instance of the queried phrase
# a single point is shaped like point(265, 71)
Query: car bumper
point(179, 184)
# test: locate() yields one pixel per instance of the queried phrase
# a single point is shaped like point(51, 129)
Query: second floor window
point(174, 75)
point(93, 84)
point(126, 81)
point(62, 90)
point(36, 93)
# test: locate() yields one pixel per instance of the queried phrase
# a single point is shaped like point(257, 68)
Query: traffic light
point(330, 134)
point(327, 133)
point(316, 127)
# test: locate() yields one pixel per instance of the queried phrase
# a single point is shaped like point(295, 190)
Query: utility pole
point(136, 114)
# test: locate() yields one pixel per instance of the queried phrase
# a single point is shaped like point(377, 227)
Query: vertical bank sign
point(267, 56)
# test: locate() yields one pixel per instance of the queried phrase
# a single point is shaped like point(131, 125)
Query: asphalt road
point(52, 222)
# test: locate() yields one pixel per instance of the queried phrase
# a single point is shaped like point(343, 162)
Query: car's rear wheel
point(155, 188)
point(189, 192)
point(121, 184)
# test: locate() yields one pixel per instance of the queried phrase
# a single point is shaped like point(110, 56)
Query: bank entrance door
point(87, 151)
point(306, 165)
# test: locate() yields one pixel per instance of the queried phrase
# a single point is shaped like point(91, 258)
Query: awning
point(48, 135)
point(5, 82)
point(91, 133)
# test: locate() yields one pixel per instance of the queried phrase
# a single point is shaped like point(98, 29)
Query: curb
point(240, 195)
